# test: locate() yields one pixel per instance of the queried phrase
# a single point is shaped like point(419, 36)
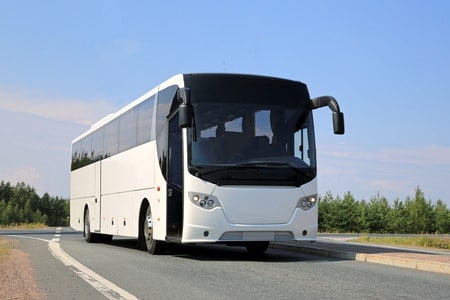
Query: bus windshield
point(252, 144)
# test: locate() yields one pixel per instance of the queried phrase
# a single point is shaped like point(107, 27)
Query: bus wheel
point(257, 248)
point(146, 237)
point(88, 235)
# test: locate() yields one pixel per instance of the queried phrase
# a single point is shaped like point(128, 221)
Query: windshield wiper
point(199, 171)
point(265, 164)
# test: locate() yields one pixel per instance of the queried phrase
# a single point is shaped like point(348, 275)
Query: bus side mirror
point(338, 117)
point(338, 123)
point(185, 109)
point(185, 116)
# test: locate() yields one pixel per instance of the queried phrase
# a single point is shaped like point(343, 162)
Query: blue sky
point(65, 64)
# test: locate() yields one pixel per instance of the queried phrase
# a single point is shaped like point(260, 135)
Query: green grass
point(425, 241)
point(25, 226)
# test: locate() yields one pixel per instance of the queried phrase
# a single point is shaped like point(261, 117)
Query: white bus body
point(197, 160)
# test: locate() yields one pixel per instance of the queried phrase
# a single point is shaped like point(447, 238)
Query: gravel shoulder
point(17, 278)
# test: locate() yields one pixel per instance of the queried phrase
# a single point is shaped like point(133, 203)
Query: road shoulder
point(57, 281)
point(17, 277)
point(400, 257)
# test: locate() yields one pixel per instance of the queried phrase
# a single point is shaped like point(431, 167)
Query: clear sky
point(65, 64)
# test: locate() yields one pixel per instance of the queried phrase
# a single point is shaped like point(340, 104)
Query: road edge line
point(101, 284)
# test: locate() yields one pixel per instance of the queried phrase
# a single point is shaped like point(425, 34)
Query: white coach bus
point(202, 158)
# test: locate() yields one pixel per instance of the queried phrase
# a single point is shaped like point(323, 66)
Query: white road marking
point(101, 284)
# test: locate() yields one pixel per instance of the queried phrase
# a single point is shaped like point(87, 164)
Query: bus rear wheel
point(88, 235)
point(146, 240)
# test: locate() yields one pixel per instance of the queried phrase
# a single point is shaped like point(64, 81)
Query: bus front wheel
point(146, 240)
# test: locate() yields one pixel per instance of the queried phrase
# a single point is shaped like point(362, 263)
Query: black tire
point(146, 241)
point(89, 236)
point(257, 248)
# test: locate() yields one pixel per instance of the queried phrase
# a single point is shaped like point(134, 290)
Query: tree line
point(20, 204)
point(378, 215)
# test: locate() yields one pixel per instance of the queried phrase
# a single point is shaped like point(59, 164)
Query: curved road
point(69, 268)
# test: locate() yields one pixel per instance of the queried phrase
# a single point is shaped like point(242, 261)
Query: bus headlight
point(204, 201)
point(307, 202)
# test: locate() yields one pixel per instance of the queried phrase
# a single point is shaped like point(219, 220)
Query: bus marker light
point(196, 198)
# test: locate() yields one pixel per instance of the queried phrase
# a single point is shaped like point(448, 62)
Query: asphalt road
point(69, 268)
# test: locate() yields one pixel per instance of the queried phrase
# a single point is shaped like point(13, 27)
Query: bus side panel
point(124, 221)
point(82, 182)
point(131, 170)
point(83, 186)
point(76, 213)
point(127, 179)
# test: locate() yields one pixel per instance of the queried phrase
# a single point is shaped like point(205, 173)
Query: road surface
point(69, 268)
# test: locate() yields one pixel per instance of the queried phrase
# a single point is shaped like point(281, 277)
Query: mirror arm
point(322, 101)
point(338, 116)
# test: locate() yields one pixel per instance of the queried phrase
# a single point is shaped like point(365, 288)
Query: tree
point(21, 204)
point(327, 213)
point(441, 217)
point(6, 191)
point(378, 213)
point(349, 214)
point(419, 214)
point(397, 217)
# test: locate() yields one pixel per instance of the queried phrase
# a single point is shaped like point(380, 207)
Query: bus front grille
point(273, 236)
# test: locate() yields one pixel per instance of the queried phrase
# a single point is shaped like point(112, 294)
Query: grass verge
point(5, 246)
point(424, 241)
point(25, 226)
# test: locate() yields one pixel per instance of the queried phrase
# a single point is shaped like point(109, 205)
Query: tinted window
point(164, 104)
point(111, 138)
point(97, 143)
point(76, 155)
point(165, 99)
point(127, 131)
point(144, 120)
point(86, 148)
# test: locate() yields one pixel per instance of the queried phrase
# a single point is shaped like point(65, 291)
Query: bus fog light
point(210, 202)
point(203, 203)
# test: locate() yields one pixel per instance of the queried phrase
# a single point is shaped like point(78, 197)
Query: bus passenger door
point(175, 181)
